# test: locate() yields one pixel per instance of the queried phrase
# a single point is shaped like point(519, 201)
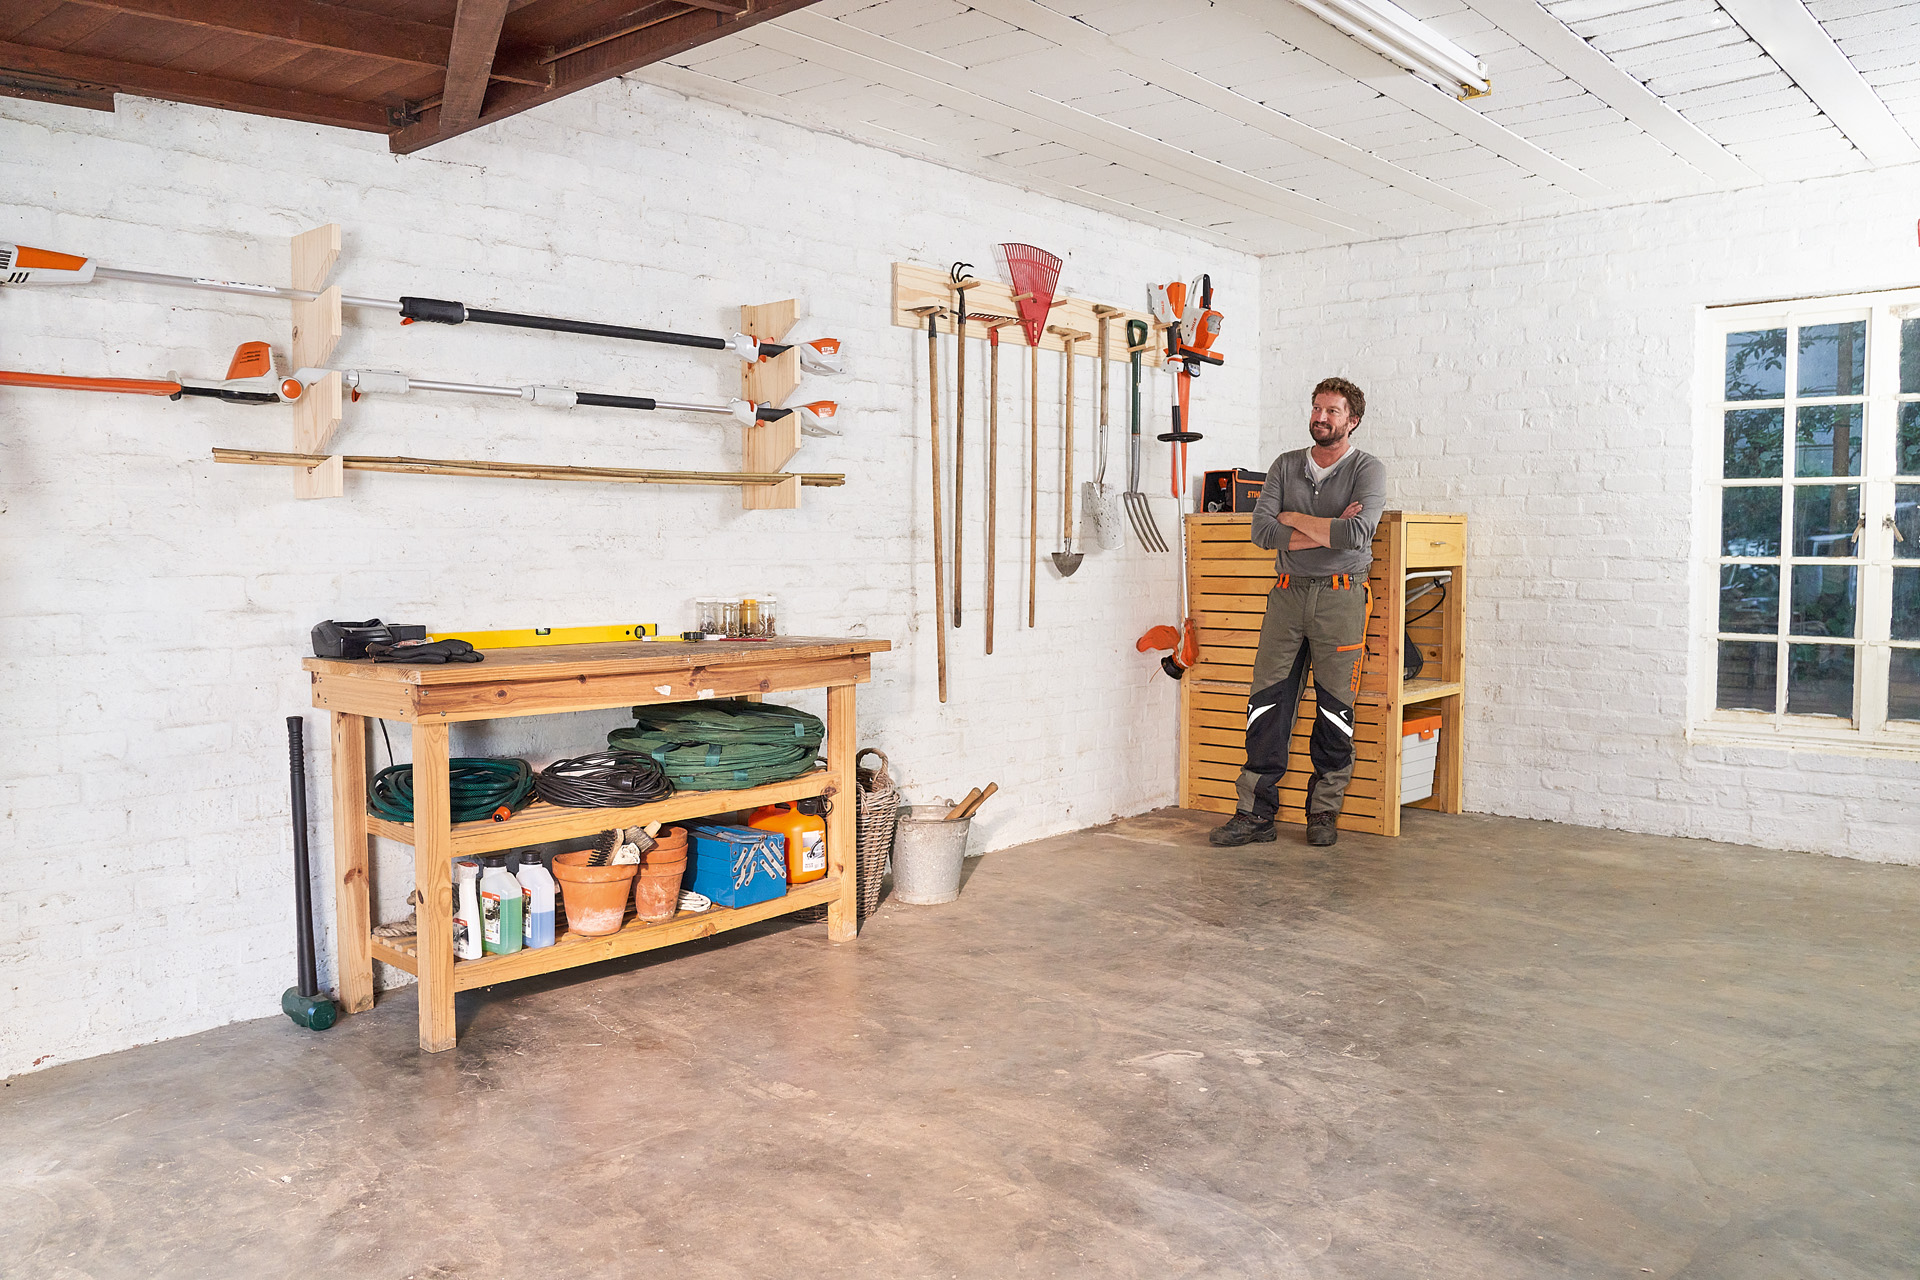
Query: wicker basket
point(877, 808)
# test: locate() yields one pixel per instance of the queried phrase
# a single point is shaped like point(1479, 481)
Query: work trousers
point(1311, 622)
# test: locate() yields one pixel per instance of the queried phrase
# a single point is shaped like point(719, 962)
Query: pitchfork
point(1137, 509)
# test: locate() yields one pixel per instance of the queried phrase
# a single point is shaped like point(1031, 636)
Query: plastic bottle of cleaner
point(806, 831)
point(466, 910)
point(500, 895)
point(537, 882)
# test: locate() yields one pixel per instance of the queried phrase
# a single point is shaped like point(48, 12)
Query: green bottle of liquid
point(500, 906)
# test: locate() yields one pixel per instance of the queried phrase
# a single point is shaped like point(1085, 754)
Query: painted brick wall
point(155, 606)
point(1539, 377)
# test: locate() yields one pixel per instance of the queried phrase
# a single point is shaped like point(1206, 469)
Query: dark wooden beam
point(719, 6)
point(301, 22)
point(674, 35)
point(195, 89)
point(63, 93)
point(476, 35)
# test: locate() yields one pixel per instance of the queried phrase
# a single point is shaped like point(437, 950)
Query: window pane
point(1906, 521)
point(1757, 365)
point(1824, 516)
point(1753, 443)
point(1906, 604)
point(1907, 449)
point(1820, 680)
point(1826, 440)
point(1823, 598)
point(1909, 356)
point(1903, 685)
point(1833, 359)
point(1750, 598)
point(1747, 675)
point(1750, 521)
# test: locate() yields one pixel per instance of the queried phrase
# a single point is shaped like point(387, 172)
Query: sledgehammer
point(303, 1003)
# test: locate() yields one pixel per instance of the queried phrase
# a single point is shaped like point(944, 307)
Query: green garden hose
point(480, 788)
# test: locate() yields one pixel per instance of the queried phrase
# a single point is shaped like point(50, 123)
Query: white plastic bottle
point(466, 910)
point(500, 893)
point(537, 881)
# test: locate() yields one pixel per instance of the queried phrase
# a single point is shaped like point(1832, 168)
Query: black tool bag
point(350, 639)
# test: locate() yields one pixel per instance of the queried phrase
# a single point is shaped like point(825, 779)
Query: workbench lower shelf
point(571, 950)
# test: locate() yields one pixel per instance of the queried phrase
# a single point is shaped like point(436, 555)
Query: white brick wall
point(156, 606)
point(1538, 377)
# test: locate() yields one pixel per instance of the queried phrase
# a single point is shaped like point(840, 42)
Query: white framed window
point(1807, 596)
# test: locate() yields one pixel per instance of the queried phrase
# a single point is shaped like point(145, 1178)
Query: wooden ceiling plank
point(686, 30)
point(301, 22)
point(195, 89)
point(476, 36)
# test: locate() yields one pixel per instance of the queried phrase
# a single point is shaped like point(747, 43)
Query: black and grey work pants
point(1318, 623)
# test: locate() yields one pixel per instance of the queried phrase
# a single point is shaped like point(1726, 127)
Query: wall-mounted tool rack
point(764, 484)
point(920, 287)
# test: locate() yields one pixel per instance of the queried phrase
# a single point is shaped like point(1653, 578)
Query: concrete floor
point(1491, 1048)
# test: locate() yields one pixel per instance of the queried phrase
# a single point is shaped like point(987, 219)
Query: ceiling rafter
point(193, 88)
point(300, 22)
point(1072, 33)
point(1794, 38)
point(1310, 35)
point(1593, 71)
point(476, 36)
point(857, 52)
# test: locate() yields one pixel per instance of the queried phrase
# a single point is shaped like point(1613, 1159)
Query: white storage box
point(1419, 753)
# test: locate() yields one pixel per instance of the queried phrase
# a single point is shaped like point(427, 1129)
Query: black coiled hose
point(605, 779)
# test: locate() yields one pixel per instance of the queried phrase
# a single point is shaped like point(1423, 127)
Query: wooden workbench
point(543, 681)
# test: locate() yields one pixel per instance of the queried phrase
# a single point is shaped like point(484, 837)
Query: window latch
point(1886, 522)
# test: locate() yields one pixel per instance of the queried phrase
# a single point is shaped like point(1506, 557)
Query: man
point(1318, 509)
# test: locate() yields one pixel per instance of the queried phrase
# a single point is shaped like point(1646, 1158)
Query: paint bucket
point(927, 853)
point(595, 897)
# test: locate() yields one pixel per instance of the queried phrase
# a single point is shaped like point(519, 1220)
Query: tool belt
point(1335, 581)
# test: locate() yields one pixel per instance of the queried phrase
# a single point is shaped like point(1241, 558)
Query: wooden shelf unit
point(1228, 579)
point(543, 681)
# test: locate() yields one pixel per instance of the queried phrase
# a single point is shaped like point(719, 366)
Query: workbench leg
point(433, 877)
point(843, 913)
point(351, 921)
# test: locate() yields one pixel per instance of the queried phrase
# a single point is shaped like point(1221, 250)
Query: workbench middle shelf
point(541, 822)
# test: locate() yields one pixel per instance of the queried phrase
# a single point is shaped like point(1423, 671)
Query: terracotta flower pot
point(656, 890)
point(669, 846)
point(595, 897)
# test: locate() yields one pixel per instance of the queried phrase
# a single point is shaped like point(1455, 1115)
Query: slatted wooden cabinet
point(1229, 579)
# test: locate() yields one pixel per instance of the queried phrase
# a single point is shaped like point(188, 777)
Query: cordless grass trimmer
point(22, 264)
point(250, 380)
point(1191, 325)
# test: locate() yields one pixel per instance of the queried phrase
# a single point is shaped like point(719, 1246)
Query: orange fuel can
point(805, 828)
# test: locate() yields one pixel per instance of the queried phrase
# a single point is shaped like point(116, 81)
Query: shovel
point(1100, 504)
point(1067, 560)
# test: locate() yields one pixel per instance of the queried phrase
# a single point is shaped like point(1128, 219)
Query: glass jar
point(729, 618)
point(769, 616)
point(708, 617)
point(749, 617)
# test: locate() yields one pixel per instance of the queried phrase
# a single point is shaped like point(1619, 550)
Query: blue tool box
point(736, 866)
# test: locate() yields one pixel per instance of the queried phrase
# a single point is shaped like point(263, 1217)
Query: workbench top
point(560, 661)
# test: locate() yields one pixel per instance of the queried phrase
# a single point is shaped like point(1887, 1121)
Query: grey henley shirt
point(1359, 477)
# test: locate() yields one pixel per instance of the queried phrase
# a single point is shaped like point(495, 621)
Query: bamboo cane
point(524, 470)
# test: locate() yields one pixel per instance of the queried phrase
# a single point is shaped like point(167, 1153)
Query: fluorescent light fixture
point(1397, 35)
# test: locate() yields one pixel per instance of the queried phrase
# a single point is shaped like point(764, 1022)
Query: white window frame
point(1868, 732)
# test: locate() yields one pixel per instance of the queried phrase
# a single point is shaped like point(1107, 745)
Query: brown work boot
point(1241, 828)
point(1323, 828)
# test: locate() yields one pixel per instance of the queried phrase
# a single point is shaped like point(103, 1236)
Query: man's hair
point(1356, 398)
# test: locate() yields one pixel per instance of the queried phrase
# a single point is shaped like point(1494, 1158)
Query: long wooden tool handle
point(959, 450)
point(1033, 483)
point(971, 806)
point(1066, 493)
point(960, 810)
point(993, 465)
point(939, 581)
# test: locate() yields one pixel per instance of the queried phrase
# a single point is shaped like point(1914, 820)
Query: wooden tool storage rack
point(1229, 577)
point(545, 681)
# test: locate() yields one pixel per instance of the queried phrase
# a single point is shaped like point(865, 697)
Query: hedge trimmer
point(22, 264)
point(250, 380)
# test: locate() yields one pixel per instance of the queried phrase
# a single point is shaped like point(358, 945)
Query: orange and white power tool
point(249, 380)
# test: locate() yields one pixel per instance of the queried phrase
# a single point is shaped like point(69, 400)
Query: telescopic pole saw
point(23, 264)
